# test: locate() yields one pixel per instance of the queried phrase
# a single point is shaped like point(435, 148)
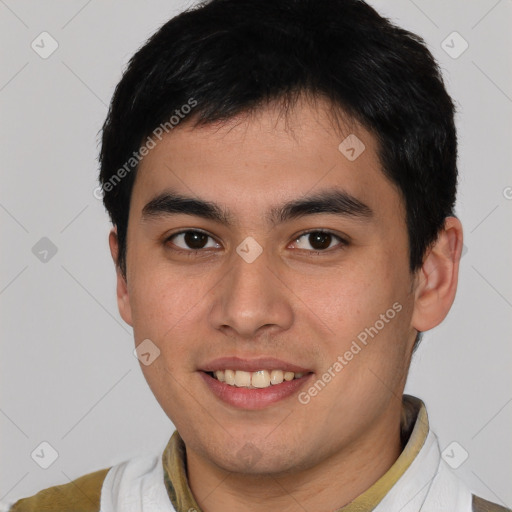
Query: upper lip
point(251, 365)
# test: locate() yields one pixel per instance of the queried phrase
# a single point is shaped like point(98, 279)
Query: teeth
point(259, 379)
point(242, 379)
point(276, 377)
point(229, 376)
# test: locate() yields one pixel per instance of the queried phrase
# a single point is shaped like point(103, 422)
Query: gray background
point(68, 375)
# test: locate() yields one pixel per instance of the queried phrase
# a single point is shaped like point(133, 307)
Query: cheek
point(344, 300)
point(363, 306)
point(163, 302)
point(166, 310)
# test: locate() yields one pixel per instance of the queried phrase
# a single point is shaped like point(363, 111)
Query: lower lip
point(245, 398)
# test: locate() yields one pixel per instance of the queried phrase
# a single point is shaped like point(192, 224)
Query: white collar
point(428, 485)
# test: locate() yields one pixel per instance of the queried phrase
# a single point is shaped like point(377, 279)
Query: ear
point(436, 281)
point(123, 297)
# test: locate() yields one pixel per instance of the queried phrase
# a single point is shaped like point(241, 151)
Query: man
point(281, 178)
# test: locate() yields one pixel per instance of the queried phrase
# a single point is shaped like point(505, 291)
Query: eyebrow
point(335, 201)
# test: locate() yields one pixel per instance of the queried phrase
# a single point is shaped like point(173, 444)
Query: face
point(259, 247)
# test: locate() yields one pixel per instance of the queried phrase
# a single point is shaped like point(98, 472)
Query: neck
point(328, 485)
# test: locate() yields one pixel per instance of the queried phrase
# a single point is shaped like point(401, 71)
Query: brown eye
point(193, 240)
point(318, 241)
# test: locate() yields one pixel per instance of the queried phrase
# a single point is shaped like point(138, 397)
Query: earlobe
point(123, 297)
point(436, 281)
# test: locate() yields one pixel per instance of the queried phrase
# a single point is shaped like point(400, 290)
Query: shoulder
point(481, 505)
point(80, 495)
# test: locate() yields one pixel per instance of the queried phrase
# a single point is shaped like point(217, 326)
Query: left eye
point(193, 240)
point(317, 241)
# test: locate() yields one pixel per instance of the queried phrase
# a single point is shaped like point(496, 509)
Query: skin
point(293, 303)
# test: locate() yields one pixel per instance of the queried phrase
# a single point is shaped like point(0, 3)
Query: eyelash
point(342, 242)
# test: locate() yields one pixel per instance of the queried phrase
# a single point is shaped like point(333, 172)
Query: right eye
point(192, 240)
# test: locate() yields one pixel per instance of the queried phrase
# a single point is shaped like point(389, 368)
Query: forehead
point(264, 158)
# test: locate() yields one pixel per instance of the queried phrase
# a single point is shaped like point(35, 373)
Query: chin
point(251, 458)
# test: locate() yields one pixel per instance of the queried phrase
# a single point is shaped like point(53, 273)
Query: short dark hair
point(229, 57)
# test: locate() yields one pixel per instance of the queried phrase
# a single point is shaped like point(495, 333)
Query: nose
point(251, 300)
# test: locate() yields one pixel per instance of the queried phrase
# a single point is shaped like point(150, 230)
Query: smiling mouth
point(255, 380)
